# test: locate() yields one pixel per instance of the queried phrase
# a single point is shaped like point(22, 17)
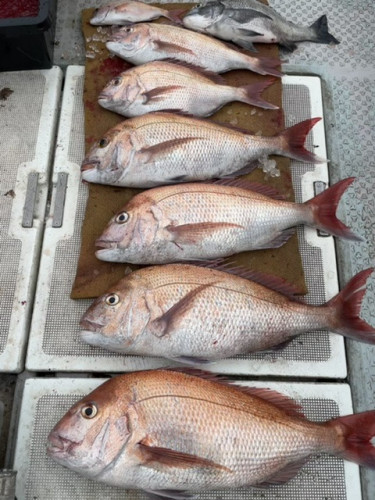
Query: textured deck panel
point(28, 111)
point(45, 401)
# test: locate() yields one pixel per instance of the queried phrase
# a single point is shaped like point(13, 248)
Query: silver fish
point(164, 148)
point(161, 85)
point(189, 313)
point(147, 42)
point(248, 22)
point(166, 432)
point(208, 221)
point(132, 12)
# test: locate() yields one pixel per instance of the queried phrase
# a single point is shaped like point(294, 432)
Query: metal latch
point(58, 212)
point(29, 206)
point(319, 187)
point(7, 484)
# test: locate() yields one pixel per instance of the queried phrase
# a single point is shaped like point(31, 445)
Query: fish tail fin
point(293, 142)
point(320, 28)
point(266, 66)
point(347, 307)
point(251, 94)
point(323, 210)
point(175, 15)
point(354, 435)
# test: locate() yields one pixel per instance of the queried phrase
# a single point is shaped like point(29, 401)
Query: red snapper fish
point(132, 12)
point(146, 42)
point(207, 221)
point(166, 148)
point(167, 433)
point(192, 314)
point(165, 86)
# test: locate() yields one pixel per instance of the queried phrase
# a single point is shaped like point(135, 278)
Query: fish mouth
point(105, 245)
point(103, 97)
point(89, 165)
point(57, 446)
point(89, 325)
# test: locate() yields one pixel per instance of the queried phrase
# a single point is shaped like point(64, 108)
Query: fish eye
point(103, 143)
point(89, 411)
point(112, 299)
point(122, 218)
point(128, 29)
point(116, 81)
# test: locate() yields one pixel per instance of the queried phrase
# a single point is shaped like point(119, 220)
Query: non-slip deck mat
point(28, 114)
point(54, 341)
point(45, 401)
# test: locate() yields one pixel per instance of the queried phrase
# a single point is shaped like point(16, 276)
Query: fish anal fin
point(157, 94)
point(172, 48)
point(279, 347)
point(151, 153)
point(279, 240)
point(283, 475)
point(155, 456)
point(169, 495)
point(166, 323)
point(193, 233)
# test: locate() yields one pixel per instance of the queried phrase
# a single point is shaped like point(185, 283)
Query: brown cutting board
point(93, 276)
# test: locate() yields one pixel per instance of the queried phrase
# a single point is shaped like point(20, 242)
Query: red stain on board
point(19, 8)
point(112, 66)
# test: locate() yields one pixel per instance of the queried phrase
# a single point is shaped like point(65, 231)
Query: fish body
point(161, 85)
point(145, 42)
point(166, 432)
point(248, 22)
point(207, 221)
point(187, 313)
point(164, 148)
point(131, 12)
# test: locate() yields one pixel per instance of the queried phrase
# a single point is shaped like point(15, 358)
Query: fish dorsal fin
point(251, 186)
point(210, 75)
point(156, 456)
point(283, 475)
point(281, 401)
point(273, 282)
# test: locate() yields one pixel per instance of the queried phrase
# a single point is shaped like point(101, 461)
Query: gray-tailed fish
point(207, 221)
point(166, 432)
point(165, 148)
point(161, 85)
point(190, 314)
point(132, 12)
point(245, 22)
point(145, 42)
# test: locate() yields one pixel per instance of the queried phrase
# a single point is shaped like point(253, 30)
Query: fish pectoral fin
point(168, 321)
point(279, 240)
point(246, 44)
point(193, 233)
point(157, 151)
point(283, 475)
point(169, 495)
point(154, 456)
point(249, 32)
point(157, 94)
point(171, 48)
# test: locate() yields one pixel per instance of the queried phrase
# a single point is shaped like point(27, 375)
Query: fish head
point(93, 432)
point(201, 17)
point(114, 320)
point(130, 232)
point(102, 15)
point(128, 40)
point(108, 158)
point(121, 90)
